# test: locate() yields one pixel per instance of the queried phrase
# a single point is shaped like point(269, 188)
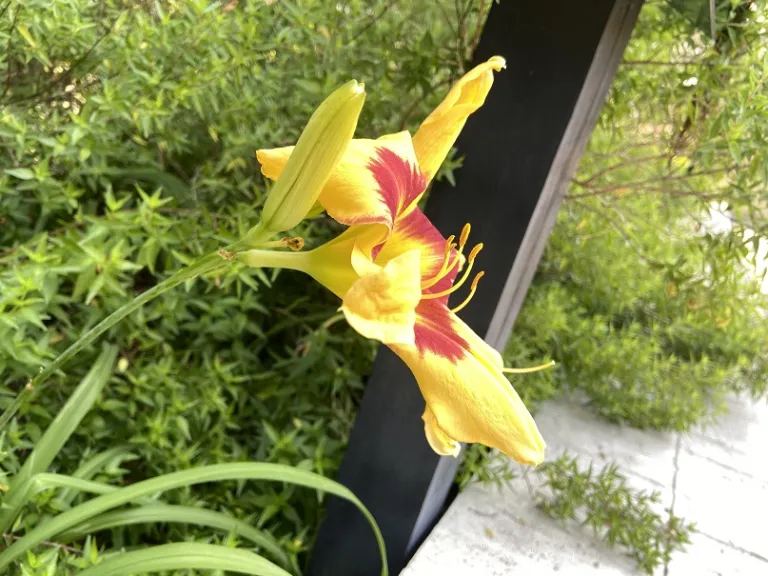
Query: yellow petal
point(374, 182)
point(469, 397)
point(439, 131)
point(414, 231)
point(273, 160)
point(381, 304)
point(332, 263)
point(438, 440)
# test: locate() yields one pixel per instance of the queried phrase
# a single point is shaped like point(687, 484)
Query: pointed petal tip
point(497, 62)
point(532, 456)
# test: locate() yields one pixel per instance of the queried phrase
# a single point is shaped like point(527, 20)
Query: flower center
point(450, 263)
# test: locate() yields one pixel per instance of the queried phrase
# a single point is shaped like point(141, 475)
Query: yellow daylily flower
point(432, 142)
point(394, 273)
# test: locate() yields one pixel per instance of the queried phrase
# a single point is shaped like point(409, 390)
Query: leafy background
point(127, 137)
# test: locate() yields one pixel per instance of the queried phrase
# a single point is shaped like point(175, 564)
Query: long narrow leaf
point(204, 265)
point(46, 481)
point(185, 555)
point(217, 472)
point(92, 466)
point(58, 432)
point(152, 511)
point(180, 514)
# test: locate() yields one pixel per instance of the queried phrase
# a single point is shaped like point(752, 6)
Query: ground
point(716, 477)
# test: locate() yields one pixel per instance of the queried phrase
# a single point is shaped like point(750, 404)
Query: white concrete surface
point(716, 477)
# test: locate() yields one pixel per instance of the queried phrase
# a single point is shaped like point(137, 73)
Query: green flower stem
point(257, 235)
point(205, 265)
point(275, 259)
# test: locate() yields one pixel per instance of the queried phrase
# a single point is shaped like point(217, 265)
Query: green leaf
point(20, 173)
point(185, 555)
point(90, 467)
point(24, 31)
point(162, 513)
point(59, 431)
point(214, 473)
point(204, 265)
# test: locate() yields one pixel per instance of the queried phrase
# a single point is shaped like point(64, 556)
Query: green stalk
point(204, 265)
point(214, 473)
point(185, 555)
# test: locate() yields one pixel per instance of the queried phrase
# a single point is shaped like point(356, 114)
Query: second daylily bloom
point(394, 273)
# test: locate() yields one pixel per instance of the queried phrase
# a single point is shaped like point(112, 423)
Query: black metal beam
point(521, 150)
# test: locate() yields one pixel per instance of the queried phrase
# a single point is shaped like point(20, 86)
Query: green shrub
point(650, 312)
point(614, 511)
point(128, 133)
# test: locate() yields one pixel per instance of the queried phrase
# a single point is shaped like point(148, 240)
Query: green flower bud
point(320, 147)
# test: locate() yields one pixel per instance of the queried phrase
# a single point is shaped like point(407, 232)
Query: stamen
point(472, 289)
point(529, 370)
point(464, 235)
point(449, 245)
point(470, 261)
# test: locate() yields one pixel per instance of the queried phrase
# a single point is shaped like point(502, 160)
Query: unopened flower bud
point(319, 149)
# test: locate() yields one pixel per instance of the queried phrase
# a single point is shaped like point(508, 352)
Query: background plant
point(128, 133)
point(621, 515)
point(127, 138)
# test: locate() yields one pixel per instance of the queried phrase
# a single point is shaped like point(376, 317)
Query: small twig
point(460, 52)
point(69, 73)
point(9, 537)
point(617, 166)
point(624, 234)
point(641, 183)
point(418, 101)
point(8, 59)
point(653, 189)
point(478, 27)
point(374, 19)
point(661, 63)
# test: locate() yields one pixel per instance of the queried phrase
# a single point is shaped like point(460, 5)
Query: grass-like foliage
point(127, 137)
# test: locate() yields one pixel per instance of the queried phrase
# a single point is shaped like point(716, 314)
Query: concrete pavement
point(716, 477)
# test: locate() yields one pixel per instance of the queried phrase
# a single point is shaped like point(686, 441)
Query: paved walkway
point(717, 478)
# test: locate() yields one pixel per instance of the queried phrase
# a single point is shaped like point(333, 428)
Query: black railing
point(520, 149)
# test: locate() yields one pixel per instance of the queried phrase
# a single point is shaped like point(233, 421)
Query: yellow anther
point(463, 278)
point(464, 235)
point(474, 252)
point(472, 289)
point(476, 280)
point(444, 269)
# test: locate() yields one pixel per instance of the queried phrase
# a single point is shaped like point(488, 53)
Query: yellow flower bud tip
point(320, 147)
